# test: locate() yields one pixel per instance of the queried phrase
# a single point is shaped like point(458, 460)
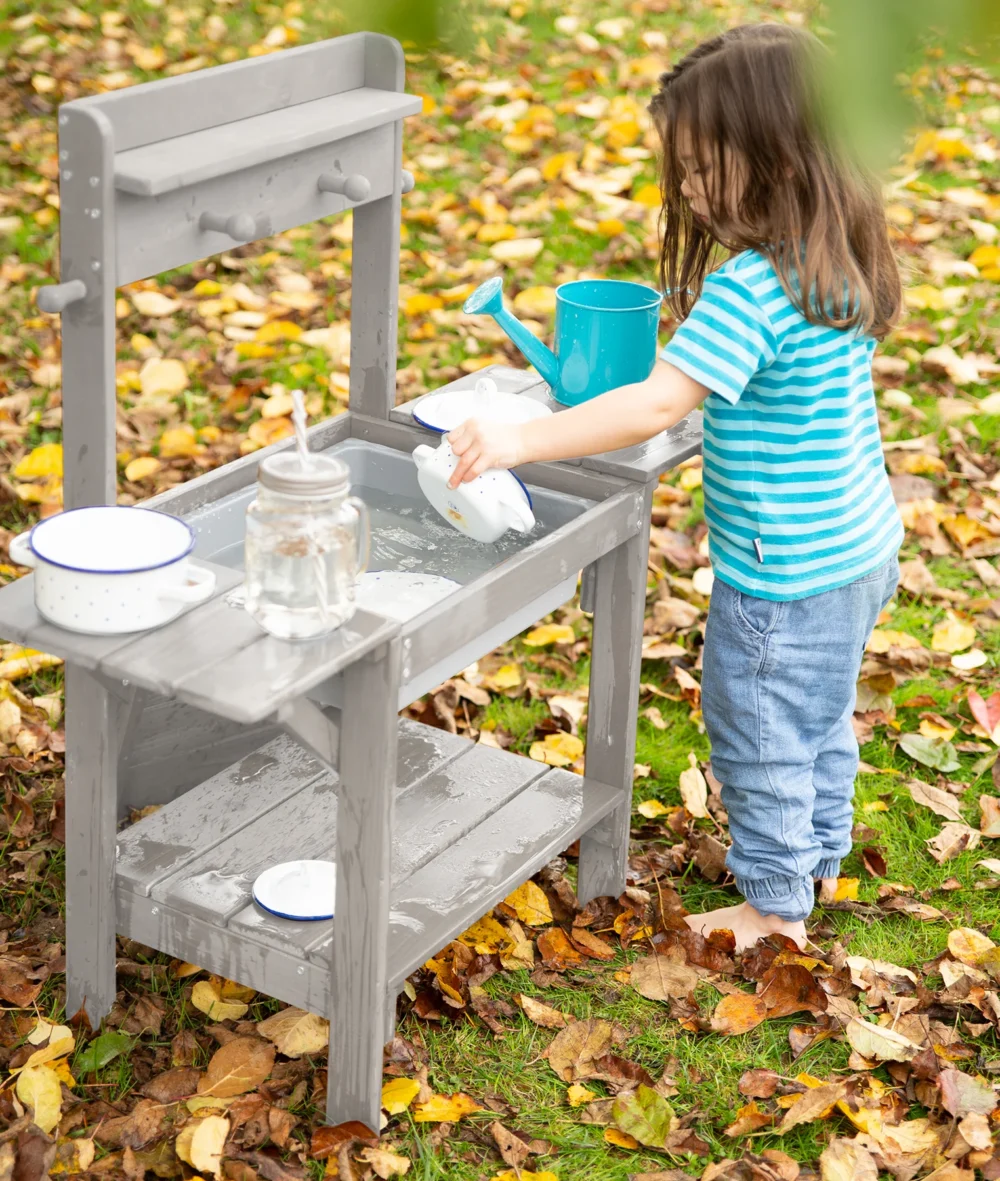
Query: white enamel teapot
point(484, 508)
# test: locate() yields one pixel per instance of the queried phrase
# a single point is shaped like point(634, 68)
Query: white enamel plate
point(301, 890)
point(447, 410)
point(400, 595)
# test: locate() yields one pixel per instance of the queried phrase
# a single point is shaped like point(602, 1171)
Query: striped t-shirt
point(796, 494)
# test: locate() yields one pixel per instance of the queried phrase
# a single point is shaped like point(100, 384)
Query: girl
point(776, 345)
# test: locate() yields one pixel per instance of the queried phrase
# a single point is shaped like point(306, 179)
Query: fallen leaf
point(102, 1050)
point(398, 1094)
point(530, 905)
point(327, 1140)
point(154, 303)
point(445, 1108)
point(953, 636)
point(542, 1014)
point(200, 1143)
point(620, 1139)
point(749, 1119)
point(758, 1084)
point(976, 1132)
point(644, 1114)
point(879, 1042)
point(989, 816)
point(651, 809)
point(517, 250)
point(577, 1095)
point(557, 952)
point(536, 301)
point(296, 1033)
point(932, 752)
point(816, 1103)
point(549, 633)
point(162, 377)
point(557, 750)
point(573, 1052)
point(510, 1146)
point(968, 946)
point(846, 1160)
point(987, 713)
point(46, 460)
point(738, 1013)
point(38, 1087)
point(660, 977)
point(239, 1066)
point(942, 803)
point(385, 1163)
point(952, 840)
point(694, 789)
point(206, 996)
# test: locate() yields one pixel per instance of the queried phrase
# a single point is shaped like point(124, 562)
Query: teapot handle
point(422, 454)
point(364, 547)
point(520, 517)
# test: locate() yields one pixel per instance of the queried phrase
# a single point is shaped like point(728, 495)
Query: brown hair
point(751, 96)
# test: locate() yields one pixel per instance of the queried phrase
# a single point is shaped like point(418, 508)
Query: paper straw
point(305, 456)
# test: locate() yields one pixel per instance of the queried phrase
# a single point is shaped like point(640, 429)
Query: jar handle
point(364, 532)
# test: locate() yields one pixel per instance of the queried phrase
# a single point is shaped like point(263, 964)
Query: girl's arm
point(620, 418)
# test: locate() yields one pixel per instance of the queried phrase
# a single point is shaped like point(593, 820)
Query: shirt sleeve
point(725, 340)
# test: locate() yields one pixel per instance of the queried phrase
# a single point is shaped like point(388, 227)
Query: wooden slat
point(160, 844)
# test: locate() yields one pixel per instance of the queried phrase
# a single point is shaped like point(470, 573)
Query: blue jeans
point(777, 693)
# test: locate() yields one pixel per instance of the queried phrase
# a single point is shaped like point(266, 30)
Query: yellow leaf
point(278, 330)
point(38, 1087)
point(206, 287)
point(966, 530)
point(296, 1032)
point(421, 303)
point(883, 639)
point(46, 460)
point(398, 1094)
point(278, 405)
point(524, 1175)
point(691, 478)
point(201, 1141)
point(649, 195)
point(549, 633)
point(875, 806)
point(651, 809)
point(162, 377)
point(179, 442)
point(142, 468)
point(386, 1164)
point(181, 969)
point(487, 933)
point(536, 301)
point(63, 1073)
point(207, 998)
point(517, 250)
point(924, 298)
point(253, 350)
point(968, 945)
point(26, 664)
point(266, 431)
point(931, 729)
point(620, 1139)
point(555, 166)
point(154, 303)
point(45, 1031)
point(445, 1109)
point(520, 145)
point(577, 1095)
point(953, 636)
point(985, 256)
point(530, 905)
point(152, 57)
point(558, 750)
point(847, 890)
point(610, 227)
point(507, 676)
point(429, 104)
point(495, 232)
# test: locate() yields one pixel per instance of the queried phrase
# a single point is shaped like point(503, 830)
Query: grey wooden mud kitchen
point(261, 750)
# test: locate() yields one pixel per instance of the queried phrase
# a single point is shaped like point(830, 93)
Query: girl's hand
point(483, 445)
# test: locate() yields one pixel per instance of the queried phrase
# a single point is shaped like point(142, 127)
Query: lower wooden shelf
point(471, 824)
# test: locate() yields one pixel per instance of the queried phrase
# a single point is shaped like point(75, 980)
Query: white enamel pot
point(111, 570)
point(484, 508)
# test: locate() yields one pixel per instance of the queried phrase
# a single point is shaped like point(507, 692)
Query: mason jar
point(307, 542)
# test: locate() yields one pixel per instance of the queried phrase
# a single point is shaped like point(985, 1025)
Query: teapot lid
point(286, 473)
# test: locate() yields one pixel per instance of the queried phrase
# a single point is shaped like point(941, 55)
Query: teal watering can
point(605, 335)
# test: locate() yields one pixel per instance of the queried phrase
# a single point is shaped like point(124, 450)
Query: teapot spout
point(487, 299)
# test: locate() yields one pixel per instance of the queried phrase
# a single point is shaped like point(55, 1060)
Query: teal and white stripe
point(793, 467)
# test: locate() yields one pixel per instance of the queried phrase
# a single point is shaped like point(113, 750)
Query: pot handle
point(200, 585)
point(364, 548)
point(422, 454)
point(21, 553)
point(520, 517)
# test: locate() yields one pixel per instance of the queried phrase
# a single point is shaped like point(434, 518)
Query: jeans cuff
point(790, 899)
point(829, 867)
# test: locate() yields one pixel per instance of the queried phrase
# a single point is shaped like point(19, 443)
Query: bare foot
point(747, 924)
point(827, 890)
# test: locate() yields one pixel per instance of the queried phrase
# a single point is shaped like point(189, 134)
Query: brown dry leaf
point(963, 1095)
point(557, 952)
point(846, 1160)
point(952, 840)
point(592, 945)
point(660, 977)
point(694, 789)
point(816, 1103)
point(295, 1032)
point(573, 1053)
point(943, 803)
point(327, 1140)
point(542, 1014)
point(738, 1013)
point(750, 1119)
point(237, 1067)
point(989, 816)
point(758, 1084)
point(386, 1164)
point(511, 1147)
point(879, 1042)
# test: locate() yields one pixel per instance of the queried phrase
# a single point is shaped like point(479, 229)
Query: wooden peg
point(354, 188)
point(240, 226)
point(58, 296)
point(408, 181)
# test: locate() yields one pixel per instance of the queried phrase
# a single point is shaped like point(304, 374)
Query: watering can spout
point(487, 299)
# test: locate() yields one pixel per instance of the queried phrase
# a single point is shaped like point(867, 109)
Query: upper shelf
point(198, 156)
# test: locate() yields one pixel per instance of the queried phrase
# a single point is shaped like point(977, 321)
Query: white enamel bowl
point(111, 570)
point(300, 890)
point(483, 509)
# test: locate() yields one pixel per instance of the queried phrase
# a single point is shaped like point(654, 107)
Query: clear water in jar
point(285, 576)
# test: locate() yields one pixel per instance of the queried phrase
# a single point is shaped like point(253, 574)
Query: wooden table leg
point(619, 593)
point(92, 720)
point(359, 1016)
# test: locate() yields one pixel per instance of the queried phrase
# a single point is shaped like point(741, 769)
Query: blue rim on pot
point(177, 557)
